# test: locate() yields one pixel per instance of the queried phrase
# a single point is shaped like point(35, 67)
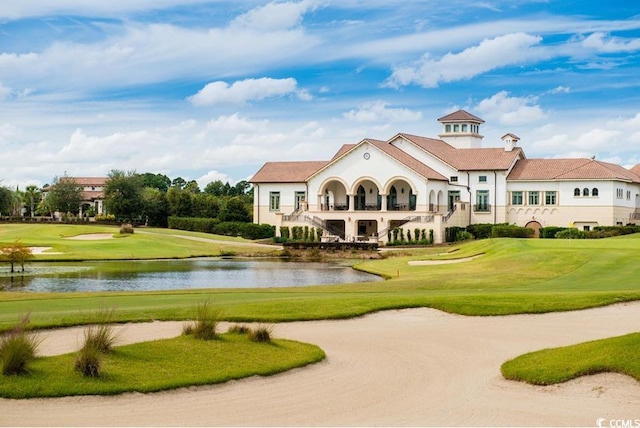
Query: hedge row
point(228, 228)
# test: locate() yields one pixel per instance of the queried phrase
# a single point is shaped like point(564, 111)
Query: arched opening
point(536, 228)
point(576, 192)
point(585, 192)
point(367, 196)
point(594, 191)
point(361, 199)
point(333, 196)
point(392, 199)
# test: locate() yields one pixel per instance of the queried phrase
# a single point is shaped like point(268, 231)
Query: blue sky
point(211, 90)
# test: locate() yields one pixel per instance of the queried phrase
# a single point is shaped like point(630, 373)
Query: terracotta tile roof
point(90, 181)
point(481, 159)
point(407, 160)
point(460, 116)
point(570, 169)
point(509, 134)
point(636, 169)
point(92, 195)
point(287, 172)
point(344, 149)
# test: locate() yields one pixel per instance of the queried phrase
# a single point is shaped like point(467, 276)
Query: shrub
point(104, 217)
point(463, 235)
point(126, 228)
point(207, 320)
point(572, 233)
point(480, 230)
point(450, 233)
point(261, 334)
point(550, 232)
point(89, 359)
point(18, 348)
point(101, 336)
point(511, 231)
point(239, 329)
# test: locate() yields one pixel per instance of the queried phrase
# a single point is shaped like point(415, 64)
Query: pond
point(155, 275)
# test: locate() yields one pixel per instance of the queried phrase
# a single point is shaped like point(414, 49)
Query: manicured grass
point(160, 365)
point(145, 243)
point(549, 366)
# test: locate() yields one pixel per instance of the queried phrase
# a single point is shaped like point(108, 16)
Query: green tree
point(155, 207)
point(235, 209)
point(32, 197)
point(192, 187)
point(6, 196)
point(65, 195)
point(156, 181)
point(215, 188)
point(178, 182)
point(15, 254)
point(180, 203)
point(123, 194)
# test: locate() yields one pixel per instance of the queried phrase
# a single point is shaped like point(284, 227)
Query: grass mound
point(549, 366)
point(161, 365)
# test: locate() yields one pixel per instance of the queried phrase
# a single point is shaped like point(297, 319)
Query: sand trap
point(92, 237)
point(410, 367)
point(441, 262)
point(42, 250)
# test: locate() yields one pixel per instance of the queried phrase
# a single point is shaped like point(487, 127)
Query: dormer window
point(456, 128)
point(447, 128)
point(464, 127)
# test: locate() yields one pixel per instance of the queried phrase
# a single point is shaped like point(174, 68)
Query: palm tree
point(33, 194)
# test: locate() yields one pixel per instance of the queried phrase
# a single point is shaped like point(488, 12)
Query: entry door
point(300, 198)
point(454, 196)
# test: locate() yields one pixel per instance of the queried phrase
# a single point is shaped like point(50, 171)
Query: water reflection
point(182, 274)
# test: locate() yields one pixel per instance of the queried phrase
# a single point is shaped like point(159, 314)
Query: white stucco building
point(412, 182)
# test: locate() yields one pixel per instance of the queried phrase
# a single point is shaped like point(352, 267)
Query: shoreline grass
point(161, 365)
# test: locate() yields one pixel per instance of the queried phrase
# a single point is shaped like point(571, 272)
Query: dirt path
point(410, 367)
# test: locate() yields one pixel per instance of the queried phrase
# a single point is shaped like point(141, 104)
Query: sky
point(211, 90)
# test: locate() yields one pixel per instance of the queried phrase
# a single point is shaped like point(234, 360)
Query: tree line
point(129, 196)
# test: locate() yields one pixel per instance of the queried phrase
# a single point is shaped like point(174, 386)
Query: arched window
point(360, 199)
point(576, 192)
point(585, 192)
point(594, 192)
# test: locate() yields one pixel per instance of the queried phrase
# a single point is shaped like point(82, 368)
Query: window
point(576, 192)
point(585, 192)
point(586, 228)
point(300, 198)
point(447, 128)
point(516, 198)
point(534, 198)
point(550, 198)
point(482, 201)
point(464, 127)
point(454, 178)
point(456, 127)
point(594, 191)
point(628, 195)
point(274, 201)
point(482, 179)
point(619, 193)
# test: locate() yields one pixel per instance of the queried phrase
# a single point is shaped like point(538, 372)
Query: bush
point(480, 230)
point(126, 228)
point(193, 224)
point(206, 323)
point(104, 218)
point(511, 231)
point(463, 235)
point(261, 334)
point(89, 359)
point(231, 228)
point(451, 233)
point(18, 348)
point(572, 233)
point(550, 231)
point(101, 336)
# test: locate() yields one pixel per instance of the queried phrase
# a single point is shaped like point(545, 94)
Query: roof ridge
point(573, 169)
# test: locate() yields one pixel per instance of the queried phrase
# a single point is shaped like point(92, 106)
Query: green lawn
point(147, 243)
point(549, 366)
point(160, 365)
point(511, 276)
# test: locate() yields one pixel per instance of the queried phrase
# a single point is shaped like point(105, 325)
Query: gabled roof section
point(88, 181)
point(570, 169)
point(460, 116)
point(344, 149)
point(287, 172)
point(409, 161)
point(481, 159)
point(636, 169)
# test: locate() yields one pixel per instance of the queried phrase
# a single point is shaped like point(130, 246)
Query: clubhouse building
point(414, 182)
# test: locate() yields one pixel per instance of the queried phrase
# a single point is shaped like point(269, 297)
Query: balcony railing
point(482, 208)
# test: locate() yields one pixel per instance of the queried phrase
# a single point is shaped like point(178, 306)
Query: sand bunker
point(410, 367)
point(41, 250)
point(92, 237)
point(441, 262)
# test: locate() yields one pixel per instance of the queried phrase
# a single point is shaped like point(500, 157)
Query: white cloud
point(490, 54)
point(602, 42)
point(212, 176)
point(511, 110)
point(275, 16)
point(377, 111)
point(560, 90)
point(246, 90)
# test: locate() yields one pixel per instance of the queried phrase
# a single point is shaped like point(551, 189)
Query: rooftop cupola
point(510, 141)
point(461, 129)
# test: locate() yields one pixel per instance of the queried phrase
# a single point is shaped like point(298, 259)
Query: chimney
point(510, 141)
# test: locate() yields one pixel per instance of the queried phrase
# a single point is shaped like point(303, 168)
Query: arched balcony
point(333, 196)
point(367, 196)
point(400, 196)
